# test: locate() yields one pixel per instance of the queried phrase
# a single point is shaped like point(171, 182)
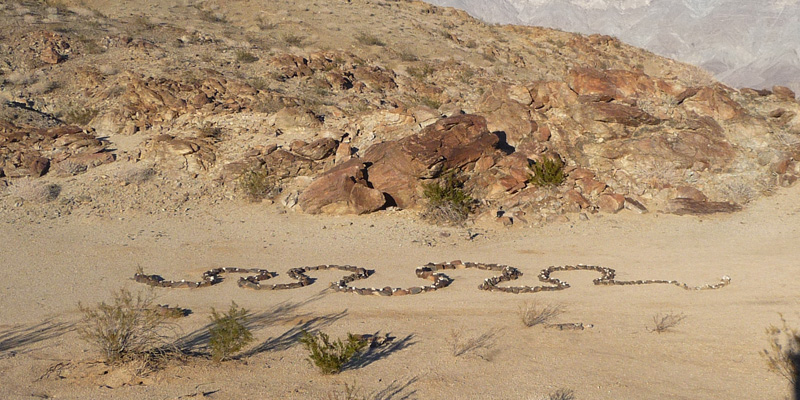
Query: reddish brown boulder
point(611, 203)
point(714, 102)
point(691, 193)
point(318, 149)
point(573, 197)
point(506, 115)
point(450, 143)
point(783, 93)
point(341, 190)
point(620, 114)
point(592, 83)
point(39, 166)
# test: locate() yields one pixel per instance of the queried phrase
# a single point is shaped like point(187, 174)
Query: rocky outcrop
point(397, 167)
point(342, 190)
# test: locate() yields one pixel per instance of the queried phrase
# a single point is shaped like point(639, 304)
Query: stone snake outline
point(431, 272)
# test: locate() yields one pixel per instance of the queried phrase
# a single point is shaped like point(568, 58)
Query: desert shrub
point(228, 332)
point(421, 72)
point(127, 328)
point(408, 56)
point(562, 394)
point(369, 40)
point(666, 321)
point(429, 102)
point(480, 345)
point(447, 201)
point(348, 392)
point(547, 172)
point(783, 355)
point(79, 115)
point(331, 356)
point(293, 40)
point(33, 190)
point(533, 314)
point(244, 56)
point(257, 183)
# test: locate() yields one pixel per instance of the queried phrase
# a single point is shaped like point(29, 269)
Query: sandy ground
point(51, 266)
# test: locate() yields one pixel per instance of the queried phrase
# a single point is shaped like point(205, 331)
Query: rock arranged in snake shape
point(431, 272)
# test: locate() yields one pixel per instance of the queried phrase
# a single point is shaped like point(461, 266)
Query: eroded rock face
point(396, 167)
point(342, 190)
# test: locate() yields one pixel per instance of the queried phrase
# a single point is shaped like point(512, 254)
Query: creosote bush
point(547, 172)
point(229, 332)
point(128, 328)
point(783, 355)
point(331, 356)
point(447, 201)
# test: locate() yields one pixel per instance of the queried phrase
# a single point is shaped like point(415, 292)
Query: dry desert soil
point(51, 266)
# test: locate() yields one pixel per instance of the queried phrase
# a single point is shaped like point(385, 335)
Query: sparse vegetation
point(243, 56)
point(533, 314)
point(293, 40)
point(480, 345)
point(562, 394)
point(547, 172)
point(126, 329)
point(666, 321)
point(79, 115)
point(229, 332)
point(783, 354)
point(257, 183)
point(369, 40)
point(408, 56)
point(331, 356)
point(34, 190)
point(447, 201)
point(349, 392)
point(421, 72)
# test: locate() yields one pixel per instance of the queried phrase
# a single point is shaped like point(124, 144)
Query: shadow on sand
point(16, 339)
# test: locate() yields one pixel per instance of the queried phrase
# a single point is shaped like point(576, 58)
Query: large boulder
point(450, 143)
point(342, 190)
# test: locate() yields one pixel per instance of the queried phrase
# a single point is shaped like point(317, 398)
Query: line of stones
point(430, 271)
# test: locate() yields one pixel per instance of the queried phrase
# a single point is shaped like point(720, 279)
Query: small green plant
point(666, 321)
point(243, 56)
point(331, 356)
point(447, 201)
point(127, 328)
point(783, 355)
point(257, 183)
point(547, 172)
point(229, 332)
point(369, 40)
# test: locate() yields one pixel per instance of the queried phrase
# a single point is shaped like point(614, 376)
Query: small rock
point(506, 221)
point(611, 203)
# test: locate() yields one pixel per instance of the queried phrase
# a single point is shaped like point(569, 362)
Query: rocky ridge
point(160, 111)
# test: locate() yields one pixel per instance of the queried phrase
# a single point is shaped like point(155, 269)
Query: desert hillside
point(385, 167)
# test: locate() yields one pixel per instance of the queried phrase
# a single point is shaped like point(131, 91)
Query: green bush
point(229, 332)
point(129, 327)
point(547, 172)
point(447, 201)
point(329, 356)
